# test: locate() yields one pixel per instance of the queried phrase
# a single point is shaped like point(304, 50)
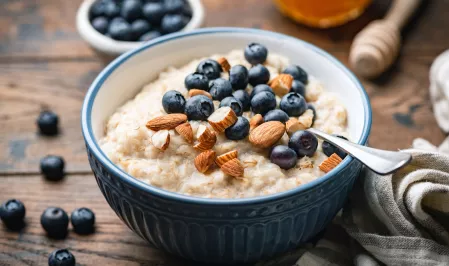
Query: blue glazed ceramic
point(220, 230)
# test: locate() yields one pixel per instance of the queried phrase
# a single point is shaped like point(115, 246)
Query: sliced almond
point(233, 168)
point(222, 118)
point(204, 160)
point(224, 158)
point(185, 130)
point(169, 121)
point(282, 84)
point(206, 138)
point(224, 64)
point(267, 134)
point(330, 163)
point(161, 139)
point(203, 146)
point(194, 92)
point(255, 121)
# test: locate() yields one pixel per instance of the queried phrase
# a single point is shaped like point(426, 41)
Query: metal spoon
point(380, 161)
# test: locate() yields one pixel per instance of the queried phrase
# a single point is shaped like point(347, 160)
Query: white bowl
point(111, 47)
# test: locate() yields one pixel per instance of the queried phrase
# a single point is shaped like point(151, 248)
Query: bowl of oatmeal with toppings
point(198, 141)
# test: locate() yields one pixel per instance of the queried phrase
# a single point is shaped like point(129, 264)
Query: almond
point(185, 130)
point(224, 64)
point(306, 119)
point(255, 121)
point(169, 121)
point(302, 123)
point(206, 138)
point(233, 168)
point(330, 163)
point(194, 92)
point(204, 160)
point(293, 125)
point(222, 118)
point(282, 84)
point(224, 158)
point(267, 134)
point(161, 139)
point(203, 146)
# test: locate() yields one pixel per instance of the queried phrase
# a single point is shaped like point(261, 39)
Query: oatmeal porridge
point(235, 127)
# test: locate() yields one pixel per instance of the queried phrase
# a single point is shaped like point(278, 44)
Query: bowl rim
point(174, 196)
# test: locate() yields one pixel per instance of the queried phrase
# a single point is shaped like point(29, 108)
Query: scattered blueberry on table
point(137, 20)
point(47, 123)
point(83, 221)
point(61, 257)
point(12, 213)
point(52, 167)
point(55, 222)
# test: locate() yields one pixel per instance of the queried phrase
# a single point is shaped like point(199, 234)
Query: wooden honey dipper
point(376, 47)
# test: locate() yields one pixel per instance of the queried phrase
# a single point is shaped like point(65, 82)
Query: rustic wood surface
point(45, 65)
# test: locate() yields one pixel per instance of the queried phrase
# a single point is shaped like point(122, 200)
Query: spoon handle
point(380, 161)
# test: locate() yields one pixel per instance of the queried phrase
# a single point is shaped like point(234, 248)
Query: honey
point(322, 13)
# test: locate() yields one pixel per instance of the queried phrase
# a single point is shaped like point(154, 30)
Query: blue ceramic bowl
point(220, 230)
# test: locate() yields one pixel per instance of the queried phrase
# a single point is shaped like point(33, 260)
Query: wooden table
point(45, 64)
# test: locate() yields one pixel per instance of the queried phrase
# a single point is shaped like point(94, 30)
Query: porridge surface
point(127, 141)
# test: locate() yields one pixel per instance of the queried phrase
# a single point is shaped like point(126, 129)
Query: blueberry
point(239, 130)
point(263, 102)
point(284, 157)
point(330, 149)
point(61, 257)
point(173, 102)
point(48, 123)
point(120, 30)
point(256, 53)
point(197, 81)
point(97, 8)
point(244, 98)
point(276, 115)
point(232, 102)
point(149, 36)
point(258, 74)
point(210, 68)
point(83, 221)
point(55, 222)
point(52, 167)
point(260, 88)
point(100, 24)
point(111, 9)
point(12, 213)
point(174, 6)
point(154, 12)
point(238, 76)
point(303, 143)
point(139, 27)
point(173, 22)
point(187, 10)
point(293, 104)
point(309, 106)
point(298, 87)
point(199, 107)
point(220, 89)
point(297, 72)
point(131, 10)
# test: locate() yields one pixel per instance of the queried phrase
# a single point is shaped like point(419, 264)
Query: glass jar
point(322, 13)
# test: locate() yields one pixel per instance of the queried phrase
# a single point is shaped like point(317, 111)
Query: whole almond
point(225, 157)
point(185, 130)
point(267, 134)
point(330, 163)
point(161, 139)
point(222, 118)
point(233, 168)
point(224, 64)
point(282, 84)
point(204, 160)
point(255, 121)
point(169, 121)
point(194, 92)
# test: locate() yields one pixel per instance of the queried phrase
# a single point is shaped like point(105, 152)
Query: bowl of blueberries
point(113, 27)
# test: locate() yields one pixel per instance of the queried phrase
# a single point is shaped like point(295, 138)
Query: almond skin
point(194, 92)
point(222, 118)
point(330, 163)
point(282, 84)
point(203, 146)
point(255, 121)
point(185, 130)
point(169, 121)
point(226, 157)
point(267, 134)
point(233, 168)
point(206, 138)
point(161, 139)
point(204, 160)
point(224, 64)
